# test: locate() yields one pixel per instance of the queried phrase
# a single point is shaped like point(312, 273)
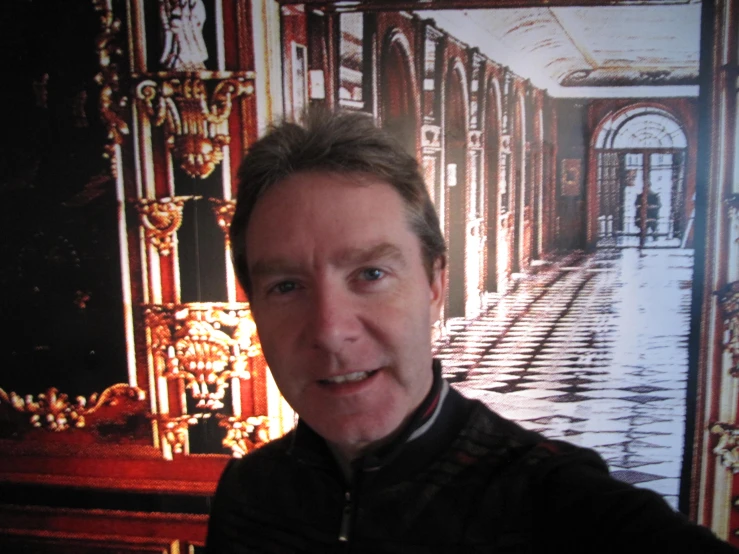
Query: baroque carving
point(244, 434)
point(173, 433)
point(53, 411)
point(727, 447)
point(224, 212)
point(204, 345)
point(111, 104)
point(161, 218)
point(431, 137)
point(728, 298)
point(474, 139)
point(182, 26)
point(196, 126)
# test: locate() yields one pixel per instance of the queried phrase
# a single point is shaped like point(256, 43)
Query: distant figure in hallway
point(652, 212)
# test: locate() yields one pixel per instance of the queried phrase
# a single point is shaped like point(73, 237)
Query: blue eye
point(372, 274)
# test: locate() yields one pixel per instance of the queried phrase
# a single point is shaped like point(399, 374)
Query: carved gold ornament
point(110, 103)
point(728, 298)
point(196, 127)
point(727, 448)
point(205, 345)
point(161, 218)
point(224, 212)
point(54, 411)
point(174, 433)
point(244, 434)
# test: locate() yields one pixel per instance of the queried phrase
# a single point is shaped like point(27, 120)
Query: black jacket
point(472, 482)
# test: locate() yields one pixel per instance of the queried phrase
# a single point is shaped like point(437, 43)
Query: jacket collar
point(431, 427)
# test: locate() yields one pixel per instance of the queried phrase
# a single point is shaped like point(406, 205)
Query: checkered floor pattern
point(592, 349)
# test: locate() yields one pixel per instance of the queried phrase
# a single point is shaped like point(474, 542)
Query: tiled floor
point(591, 349)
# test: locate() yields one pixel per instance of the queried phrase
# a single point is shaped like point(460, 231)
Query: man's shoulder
point(494, 437)
point(490, 428)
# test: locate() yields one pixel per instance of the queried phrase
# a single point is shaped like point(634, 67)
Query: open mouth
point(355, 377)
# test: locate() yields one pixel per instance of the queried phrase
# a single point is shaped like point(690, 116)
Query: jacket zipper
point(346, 518)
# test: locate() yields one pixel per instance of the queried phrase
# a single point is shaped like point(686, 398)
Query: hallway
point(590, 349)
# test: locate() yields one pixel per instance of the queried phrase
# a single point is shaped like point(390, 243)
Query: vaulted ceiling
point(572, 48)
point(624, 50)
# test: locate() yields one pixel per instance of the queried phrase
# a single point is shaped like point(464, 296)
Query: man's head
point(344, 142)
point(339, 248)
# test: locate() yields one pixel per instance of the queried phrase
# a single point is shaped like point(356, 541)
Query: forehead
point(314, 193)
point(308, 181)
point(347, 208)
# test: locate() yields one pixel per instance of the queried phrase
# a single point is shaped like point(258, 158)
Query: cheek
point(404, 324)
point(271, 340)
point(282, 364)
point(274, 323)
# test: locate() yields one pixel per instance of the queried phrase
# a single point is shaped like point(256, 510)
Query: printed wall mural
point(580, 155)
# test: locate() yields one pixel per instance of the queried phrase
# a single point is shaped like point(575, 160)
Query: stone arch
point(398, 90)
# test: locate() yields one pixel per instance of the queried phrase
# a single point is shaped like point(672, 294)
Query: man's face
point(343, 304)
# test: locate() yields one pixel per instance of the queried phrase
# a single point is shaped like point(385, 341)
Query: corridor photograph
point(582, 160)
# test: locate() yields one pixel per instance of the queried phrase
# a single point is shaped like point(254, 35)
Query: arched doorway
point(640, 154)
point(398, 94)
point(455, 139)
point(492, 175)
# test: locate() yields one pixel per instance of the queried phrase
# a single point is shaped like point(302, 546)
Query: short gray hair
point(338, 142)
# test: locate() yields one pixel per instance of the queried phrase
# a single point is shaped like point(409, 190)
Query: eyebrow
point(360, 256)
point(347, 257)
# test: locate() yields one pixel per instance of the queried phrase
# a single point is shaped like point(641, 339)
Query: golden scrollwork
point(728, 298)
point(205, 345)
point(173, 433)
point(161, 218)
point(196, 127)
point(110, 103)
point(54, 411)
point(727, 447)
point(224, 212)
point(244, 434)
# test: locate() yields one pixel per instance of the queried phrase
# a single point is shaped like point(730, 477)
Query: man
point(651, 208)
point(338, 246)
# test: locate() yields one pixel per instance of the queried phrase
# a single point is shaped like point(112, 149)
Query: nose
point(335, 322)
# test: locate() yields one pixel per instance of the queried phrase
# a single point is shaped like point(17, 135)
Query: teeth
point(349, 377)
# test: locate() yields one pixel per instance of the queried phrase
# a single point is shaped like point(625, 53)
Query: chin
point(360, 430)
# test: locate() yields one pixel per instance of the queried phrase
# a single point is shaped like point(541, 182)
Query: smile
point(348, 378)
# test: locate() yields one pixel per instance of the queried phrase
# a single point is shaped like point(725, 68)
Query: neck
point(414, 422)
point(344, 458)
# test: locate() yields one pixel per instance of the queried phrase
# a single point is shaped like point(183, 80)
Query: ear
point(438, 289)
